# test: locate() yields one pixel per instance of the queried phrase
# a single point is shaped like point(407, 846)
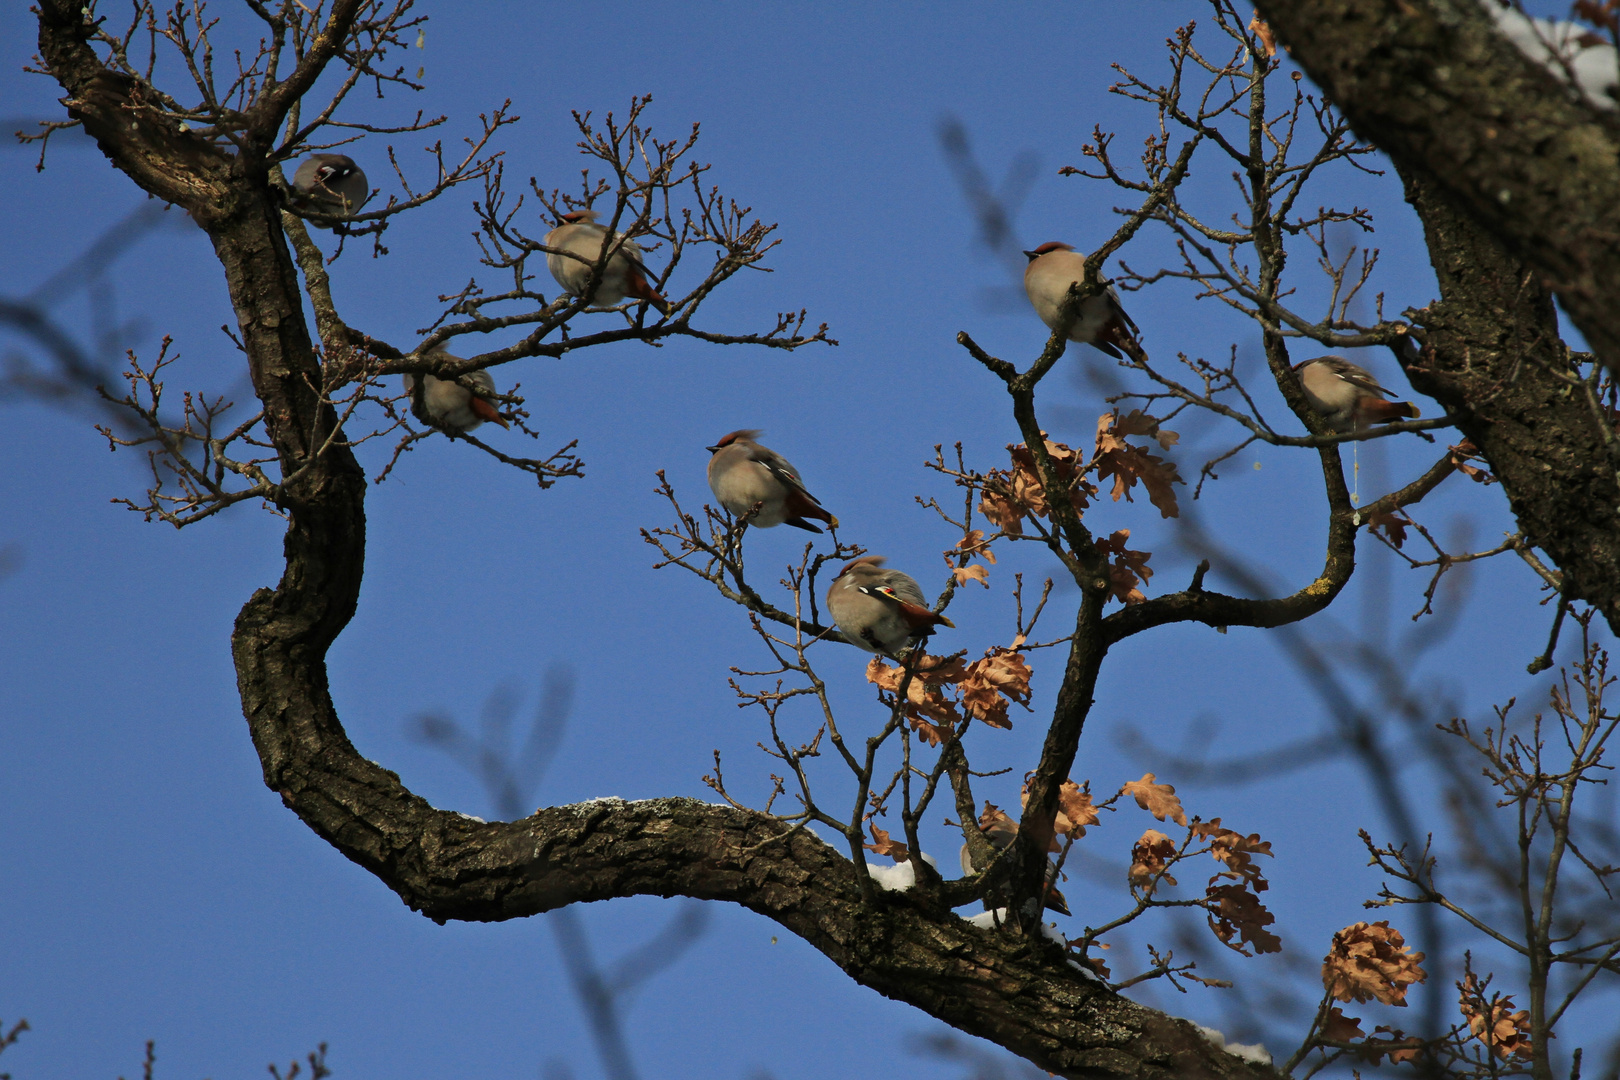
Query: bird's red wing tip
point(485, 411)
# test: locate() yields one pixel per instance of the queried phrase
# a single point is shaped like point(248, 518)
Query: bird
point(451, 405)
point(1347, 396)
point(1000, 830)
point(330, 184)
point(1102, 322)
point(624, 275)
point(743, 474)
point(881, 611)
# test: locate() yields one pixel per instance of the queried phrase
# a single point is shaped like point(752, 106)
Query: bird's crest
point(575, 217)
point(1049, 247)
point(868, 560)
point(746, 433)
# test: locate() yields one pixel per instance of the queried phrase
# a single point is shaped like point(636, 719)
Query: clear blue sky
point(152, 887)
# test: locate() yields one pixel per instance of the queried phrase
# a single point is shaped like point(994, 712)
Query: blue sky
point(154, 888)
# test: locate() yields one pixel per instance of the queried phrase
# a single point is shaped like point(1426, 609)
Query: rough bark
point(1492, 355)
point(1436, 87)
point(1518, 185)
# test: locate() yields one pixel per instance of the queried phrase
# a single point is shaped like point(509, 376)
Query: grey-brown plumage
point(743, 474)
point(1101, 323)
point(451, 405)
point(625, 274)
point(881, 611)
point(330, 184)
point(1347, 396)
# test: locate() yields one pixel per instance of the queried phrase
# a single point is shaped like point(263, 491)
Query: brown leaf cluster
point(1157, 799)
point(1371, 961)
point(983, 688)
point(1129, 464)
point(971, 544)
point(1493, 1022)
point(931, 714)
point(882, 845)
point(1150, 859)
point(990, 683)
point(1021, 493)
point(1126, 568)
point(1075, 812)
point(1234, 911)
point(1236, 851)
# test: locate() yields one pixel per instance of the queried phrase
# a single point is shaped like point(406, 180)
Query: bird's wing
point(1356, 375)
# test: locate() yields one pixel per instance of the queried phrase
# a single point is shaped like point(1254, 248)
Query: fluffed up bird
point(1000, 831)
point(1102, 322)
point(882, 611)
point(1347, 396)
point(743, 474)
point(330, 184)
point(624, 275)
point(453, 406)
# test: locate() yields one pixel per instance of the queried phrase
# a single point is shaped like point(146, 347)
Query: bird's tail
point(641, 289)
point(1378, 411)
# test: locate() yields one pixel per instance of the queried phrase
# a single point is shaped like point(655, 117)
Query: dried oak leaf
point(991, 682)
point(1376, 1048)
point(1126, 569)
point(974, 572)
point(1339, 1027)
point(1027, 488)
point(1235, 911)
point(1371, 961)
point(1075, 812)
point(1001, 510)
point(1150, 856)
point(894, 849)
point(1157, 799)
point(1393, 525)
point(923, 695)
point(1262, 31)
point(1129, 464)
point(971, 544)
point(1465, 452)
point(1492, 1020)
point(1235, 850)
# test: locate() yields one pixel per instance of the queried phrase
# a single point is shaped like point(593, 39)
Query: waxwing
point(1102, 322)
point(743, 473)
point(453, 406)
point(330, 184)
point(1347, 396)
point(882, 611)
point(1000, 831)
point(624, 275)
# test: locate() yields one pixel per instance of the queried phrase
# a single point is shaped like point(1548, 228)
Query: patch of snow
point(1082, 969)
point(989, 920)
point(1255, 1052)
point(470, 817)
point(1557, 46)
point(900, 876)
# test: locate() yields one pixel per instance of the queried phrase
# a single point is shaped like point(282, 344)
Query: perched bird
point(624, 275)
point(1000, 832)
point(330, 184)
point(1102, 322)
point(453, 406)
point(1347, 396)
point(743, 473)
point(882, 611)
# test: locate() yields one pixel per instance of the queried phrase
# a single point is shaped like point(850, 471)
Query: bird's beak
point(1031, 255)
point(712, 449)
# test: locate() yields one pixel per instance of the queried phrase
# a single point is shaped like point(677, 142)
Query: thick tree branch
point(1454, 102)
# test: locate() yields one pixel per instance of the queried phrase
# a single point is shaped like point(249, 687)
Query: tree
point(220, 161)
